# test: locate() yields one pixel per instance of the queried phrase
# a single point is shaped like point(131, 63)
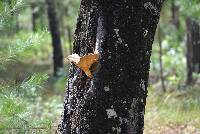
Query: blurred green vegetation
point(31, 98)
point(174, 42)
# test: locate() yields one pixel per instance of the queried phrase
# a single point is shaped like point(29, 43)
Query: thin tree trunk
point(55, 33)
point(175, 14)
point(34, 16)
point(113, 101)
point(160, 59)
point(196, 46)
point(189, 52)
point(193, 49)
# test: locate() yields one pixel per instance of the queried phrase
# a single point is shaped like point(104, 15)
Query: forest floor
point(175, 112)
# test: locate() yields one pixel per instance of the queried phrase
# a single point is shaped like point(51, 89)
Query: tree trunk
point(160, 59)
point(34, 15)
point(55, 33)
point(193, 49)
point(113, 101)
point(196, 46)
point(175, 14)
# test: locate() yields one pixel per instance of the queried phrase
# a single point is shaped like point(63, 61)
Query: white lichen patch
point(116, 31)
point(151, 7)
point(111, 113)
point(145, 33)
point(142, 84)
point(123, 120)
point(106, 88)
point(118, 129)
point(124, 102)
point(147, 53)
point(118, 36)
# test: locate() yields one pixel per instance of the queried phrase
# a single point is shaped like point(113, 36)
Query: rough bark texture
point(55, 33)
point(113, 101)
point(193, 49)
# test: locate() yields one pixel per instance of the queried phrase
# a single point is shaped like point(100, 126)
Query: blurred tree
point(38, 14)
point(113, 101)
point(160, 58)
point(193, 49)
point(14, 14)
point(175, 14)
point(189, 8)
point(67, 12)
point(55, 33)
point(34, 9)
point(191, 12)
point(64, 17)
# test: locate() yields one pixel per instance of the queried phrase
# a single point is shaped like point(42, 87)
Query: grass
point(171, 111)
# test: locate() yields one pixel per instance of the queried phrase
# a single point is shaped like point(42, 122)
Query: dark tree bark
point(113, 101)
point(55, 33)
point(193, 49)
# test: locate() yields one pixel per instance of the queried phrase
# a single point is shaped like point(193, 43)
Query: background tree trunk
point(113, 101)
point(55, 33)
point(34, 15)
point(160, 59)
point(193, 49)
point(175, 14)
point(196, 46)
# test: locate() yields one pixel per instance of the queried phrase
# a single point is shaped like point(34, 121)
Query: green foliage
point(23, 107)
point(18, 46)
point(14, 102)
point(9, 10)
point(32, 85)
point(190, 8)
point(60, 84)
point(173, 58)
point(174, 42)
point(68, 10)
